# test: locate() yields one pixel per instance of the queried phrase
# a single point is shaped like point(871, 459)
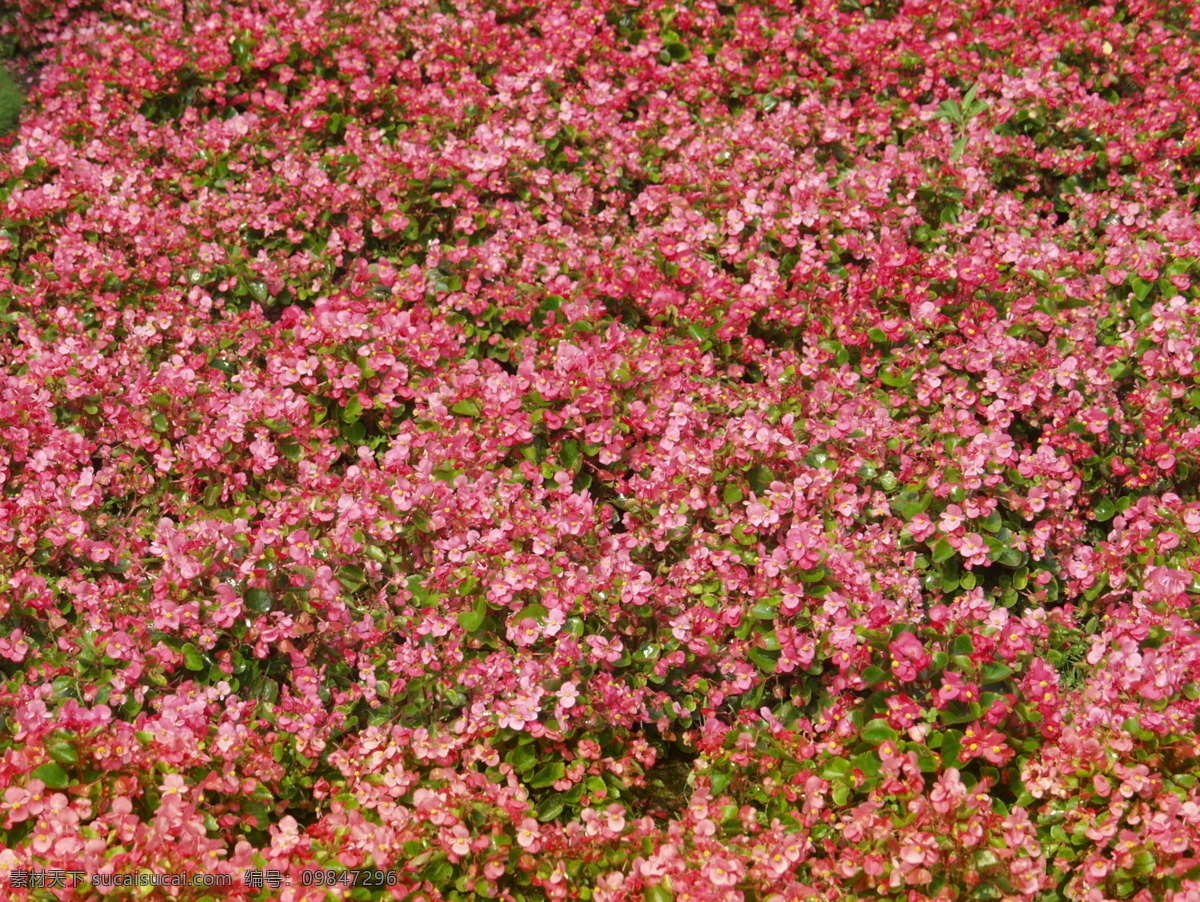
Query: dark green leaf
point(551, 807)
point(873, 675)
point(548, 775)
point(258, 600)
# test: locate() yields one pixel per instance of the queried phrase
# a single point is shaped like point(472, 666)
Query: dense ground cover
point(666, 451)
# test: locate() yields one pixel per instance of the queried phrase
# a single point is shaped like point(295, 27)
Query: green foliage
point(11, 101)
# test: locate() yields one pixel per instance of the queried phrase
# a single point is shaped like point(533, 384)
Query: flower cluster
point(665, 451)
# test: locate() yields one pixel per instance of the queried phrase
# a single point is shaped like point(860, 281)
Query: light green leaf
point(63, 752)
point(53, 776)
point(878, 731)
point(942, 551)
point(192, 658)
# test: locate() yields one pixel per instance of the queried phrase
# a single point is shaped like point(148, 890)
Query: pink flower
point(909, 656)
point(460, 840)
point(100, 551)
point(955, 687)
point(527, 834)
point(972, 547)
point(173, 786)
point(722, 871)
point(15, 647)
point(614, 817)
point(1164, 582)
point(568, 695)
point(23, 802)
point(947, 792)
point(952, 518)
point(921, 527)
point(493, 870)
point(912, 854)
point(987, 744)
point(229, 606)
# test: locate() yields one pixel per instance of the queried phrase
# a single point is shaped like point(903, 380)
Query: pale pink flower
point(1163, 582)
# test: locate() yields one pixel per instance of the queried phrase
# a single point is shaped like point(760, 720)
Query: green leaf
point(473, 619)
point(548, 775)
point(569, 455)
point(760, 478)
point(192, 659)
point(994, 673)
point(1103, 510)
point(962, 644)
point(909, 508)
point(951, 745)
point(867, 762)
point(742, 536)
point(258, 600)
point(813, 576)
point(1010, 557)
point(352, 411)
point(63, 752)
point(551, 807)
point(956, 712)
point(53, 776)
point(895, 379)
point(764, 661)
point(1143, 863)
point(878, 731)
point(942, 551)
point(537, 611)
point(467, 408)
point(764, 611)
point(874, 675)
point(660, 892)
point(927, 761)
point(835, 768)
point(522, 758)
point(732, 494)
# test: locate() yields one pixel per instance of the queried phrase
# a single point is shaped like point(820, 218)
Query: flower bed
point(675, 451)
